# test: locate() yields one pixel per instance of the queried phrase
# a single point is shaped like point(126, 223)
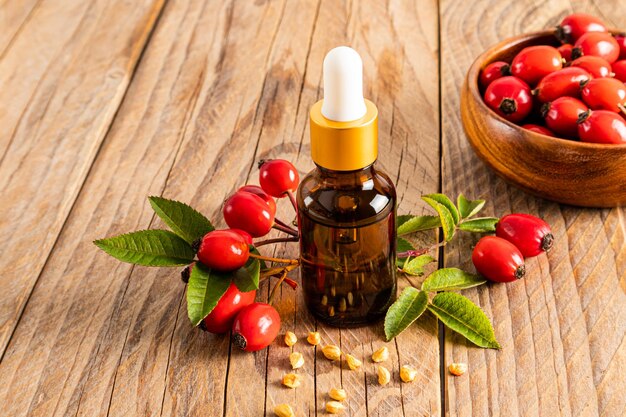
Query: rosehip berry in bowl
point(510, 97)
point(594, 65)
point(538, 129)
point(248, 212)
point(530, 234)
point(621, 41)
point(255, 327)
point(566, 51)
point(223, 250)
point(605, 94)
point(498, 259)
point(575, 25)
point(494, 71)
point(277, 177)
point(533, 63)
point(256, 190)
point(561, 115)
point(564, 82)
point(619, 68)
point(602, 126)
point(598, 44)
point(221, 319)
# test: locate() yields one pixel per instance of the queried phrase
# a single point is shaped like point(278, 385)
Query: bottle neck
point(356, 176)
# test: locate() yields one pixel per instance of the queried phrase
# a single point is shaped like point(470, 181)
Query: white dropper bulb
point(343, 85)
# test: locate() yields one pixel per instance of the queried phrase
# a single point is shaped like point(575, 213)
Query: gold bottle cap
point(344, 146)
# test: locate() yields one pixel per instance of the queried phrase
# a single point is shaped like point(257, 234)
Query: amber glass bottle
point(346, 206)
point(347, 244)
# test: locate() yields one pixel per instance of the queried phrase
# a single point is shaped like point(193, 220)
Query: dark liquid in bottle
point(348, 247)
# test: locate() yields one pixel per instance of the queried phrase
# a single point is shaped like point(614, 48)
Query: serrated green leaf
point(414, 224)
point(447, 203)
point(416, 265)
point(148, 248)
point(469, 208)
point(204, 290)
point(447, 221)
point(451, 279)
point(185, 221)
point(405, 310)
point(480, 225)
point(246, 278)
point(402, 245)
point(464, 317)
point(401, 219)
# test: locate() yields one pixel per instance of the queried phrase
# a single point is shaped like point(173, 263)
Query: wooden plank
point(64, 75)
point(13, 15)
point(562, 328)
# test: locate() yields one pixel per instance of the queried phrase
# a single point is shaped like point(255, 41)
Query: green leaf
point(407, 308)
point(247, 278)
point(417, 223)
point(149, 248)
point(447, 203)
point(447, 220)
point(182, 219)
point(463, 316)
point(204, 290)
point(401, 219)
point(402, 245)
point(416, 265)
point(469, 208)
point(480, 225)
point(451, 279)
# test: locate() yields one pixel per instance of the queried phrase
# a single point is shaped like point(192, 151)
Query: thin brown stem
point(277, 240)
point(277, 270)
point(285, 229)
point(292, 199)
point(280, 281)
point(277, 260)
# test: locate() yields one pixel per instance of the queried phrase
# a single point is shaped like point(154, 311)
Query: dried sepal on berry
point(291, 380)
point(332, 352)
point(284, 410)
point(383, 375)
point(334, 407)
point(457, 369)
point(338, 394)
point(381, 355)
point(353, 363)
point(296, 359)
point(290, 339)
point(314, 338)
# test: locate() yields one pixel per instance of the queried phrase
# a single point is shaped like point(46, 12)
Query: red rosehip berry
point(575, 25)
point(498, 259)
point(248, 212)
point(494, 71)
point(620, 70)
point(221, 319)
point(245, 235)
point(565, 82)
point(594, 65)
point(222, 250)
point(510, 97)
point(605, 94)
point(562, 115)
point(533, 63)
point(602, 126)
point(530, 234)
point(566, 51)
point(598, 44)
point(256, 190)
point(255, 327)
point(538, 129)
point(621, 41)
point(277, 177)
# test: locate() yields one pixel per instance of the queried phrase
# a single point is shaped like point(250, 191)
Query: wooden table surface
point(105, 102)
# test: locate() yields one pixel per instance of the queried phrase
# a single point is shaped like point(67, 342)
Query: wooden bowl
point(565, 171)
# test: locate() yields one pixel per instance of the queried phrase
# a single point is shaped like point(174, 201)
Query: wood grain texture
point(62, 79)
point(562, 328)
